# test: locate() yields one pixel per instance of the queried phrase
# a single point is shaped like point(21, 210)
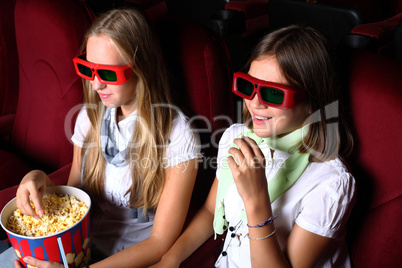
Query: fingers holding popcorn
point(60, 213)
point(32, 187)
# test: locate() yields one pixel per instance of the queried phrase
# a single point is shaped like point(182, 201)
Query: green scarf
point(286, 176)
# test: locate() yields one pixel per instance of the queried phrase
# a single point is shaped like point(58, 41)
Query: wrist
point(258, 211)
point(257, 204)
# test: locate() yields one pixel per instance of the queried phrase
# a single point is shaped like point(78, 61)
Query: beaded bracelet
point(262, 238)
point(266, 222)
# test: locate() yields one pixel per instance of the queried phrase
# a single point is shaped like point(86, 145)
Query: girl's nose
point(255, 103)
point(96, 84)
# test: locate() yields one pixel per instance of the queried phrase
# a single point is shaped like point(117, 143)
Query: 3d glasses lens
point(84, 70)
point(245, 87)
point(107, 75)
point(272, 95)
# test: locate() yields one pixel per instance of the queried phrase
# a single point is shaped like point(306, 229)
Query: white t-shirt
point(112, 229)
point(319, 202)
point(184, 145)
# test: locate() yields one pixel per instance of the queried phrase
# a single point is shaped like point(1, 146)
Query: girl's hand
point(34, 185)
point(249, 171)
point(38, 263)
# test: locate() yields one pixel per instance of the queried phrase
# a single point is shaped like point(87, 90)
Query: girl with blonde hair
point(134, 152)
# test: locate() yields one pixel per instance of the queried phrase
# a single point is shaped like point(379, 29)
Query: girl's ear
point(309, 109)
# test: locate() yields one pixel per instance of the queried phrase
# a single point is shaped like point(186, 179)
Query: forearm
point(265, 250)
point(142, 254)
point(198, 231)
point(151, 250)
point(168, 222)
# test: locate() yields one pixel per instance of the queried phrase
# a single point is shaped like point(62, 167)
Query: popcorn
point(70, 258)
point(61, 212)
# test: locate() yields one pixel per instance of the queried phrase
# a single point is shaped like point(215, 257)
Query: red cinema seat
point(383, 36)
point(375, 100)
point(48, 35)
point(8, 69)
point(200, 65)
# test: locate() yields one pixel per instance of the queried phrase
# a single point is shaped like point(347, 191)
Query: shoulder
point(83, 114)
point(83, 120)
point(329, 194)
point(184, 141)
point(333, 170)
point(329, 183)
point(331, 176)
point(81, 128)
point(230, 134)
point(182, 129)
point(180, 121)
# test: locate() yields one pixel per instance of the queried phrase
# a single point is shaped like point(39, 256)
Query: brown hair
point(129, 31)
point(303, 55)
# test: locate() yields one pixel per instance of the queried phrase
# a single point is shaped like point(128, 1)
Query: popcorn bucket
point(70, 246)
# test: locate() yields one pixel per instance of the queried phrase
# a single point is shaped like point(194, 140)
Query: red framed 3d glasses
point(107, 74)
point(269, 93)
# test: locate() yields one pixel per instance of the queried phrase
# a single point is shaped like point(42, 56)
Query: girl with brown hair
point(281, 193)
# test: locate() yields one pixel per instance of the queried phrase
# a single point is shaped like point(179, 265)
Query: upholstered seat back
point(8, 68)
point(48, 34)
point(375, 101)
point(199, 63)
point(334, 20)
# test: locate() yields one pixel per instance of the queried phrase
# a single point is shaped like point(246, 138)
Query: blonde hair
point(303, 55)
point(129, 31)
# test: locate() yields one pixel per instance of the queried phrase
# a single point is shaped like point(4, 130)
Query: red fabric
point(60, 176)
point(8, 60)
point(200, 63)
point(251, 9)
point(396, 6)
point(378, 29)
point(48, 35)
point(377, 241)
point(375, 98)
point(255, 12)
point(157, 11)
point(12, 169)
point(6, 125)
point(206, 255)
point(7, 195)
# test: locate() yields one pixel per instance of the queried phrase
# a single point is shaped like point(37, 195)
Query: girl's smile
point(260, 119)
point(104, 96)
point(269, 121)
point(101, 50)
